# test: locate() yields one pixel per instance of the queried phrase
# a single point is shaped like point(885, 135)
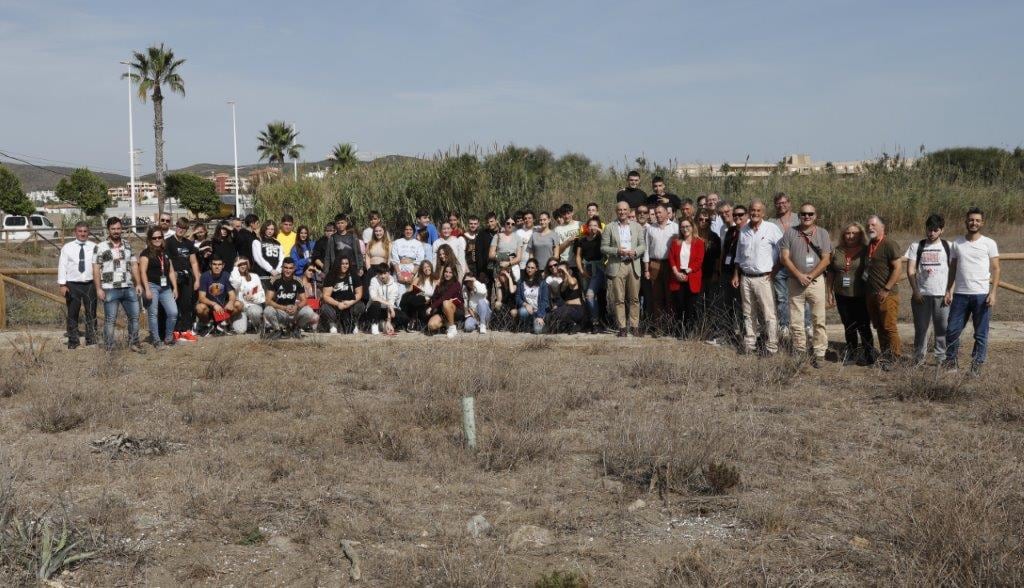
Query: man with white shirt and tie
point(74, 275)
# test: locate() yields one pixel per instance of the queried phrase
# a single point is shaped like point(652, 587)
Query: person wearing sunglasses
point(506, 249)
point(160, 287)
point(806, 252)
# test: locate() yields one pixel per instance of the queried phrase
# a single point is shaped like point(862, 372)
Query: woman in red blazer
point(685, 258)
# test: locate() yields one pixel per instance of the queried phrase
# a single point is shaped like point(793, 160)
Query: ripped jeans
point(595, 286)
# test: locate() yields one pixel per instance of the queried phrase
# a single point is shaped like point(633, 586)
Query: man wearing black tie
point(74, 275)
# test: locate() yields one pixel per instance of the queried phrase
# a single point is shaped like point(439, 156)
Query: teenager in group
point(406, 256)
point(286, 312)
point(302, 251)
point(567, 231)
point(503, 300)
point(571, 314)
point(454, 221)
point(446, 305)
point(245, 237)
point(847, 292)
point(632, 195)
point(445, 256)
point(286, 236)
point(757, 258)
point(320, 247)
point(686, 263)
point(660, 196)
point(885, 267)
point(544, 240)
point(590, 262)
point(250, 292)
point(805, 251)
point(457, 246)
point(74, 276)
point(622, 244)
point(525, 230)
point(224, 244)
point(344, 243)
point(506, 249)
point(415, 300)
point(203, 245)
point(928, 275)
point(342, 303)
point(477, 249)
point(428, 250)
point(383, 310)
point(181, 250)
point(423, 224)
point(160, 287)
point(973, 283)
point(118, 284)
point(218, 305)
point(478, 309)
point(267, 254)
point(374, 221)
point(532, 298)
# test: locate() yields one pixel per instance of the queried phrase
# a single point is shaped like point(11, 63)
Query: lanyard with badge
point(872, 247)
point(847, 280)
point(163, 272)
point(809, 260)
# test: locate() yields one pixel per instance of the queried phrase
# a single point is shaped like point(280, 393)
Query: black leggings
point(379, 312)
point(414, 306)
point(853, 310)
point(567, 318)
point(685, 303)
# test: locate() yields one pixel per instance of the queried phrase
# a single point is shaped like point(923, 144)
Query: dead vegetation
point(599, 462)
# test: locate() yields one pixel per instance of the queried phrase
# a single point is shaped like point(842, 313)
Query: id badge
point(809, 260)
point(163, 281)
point(728, 260)
point(847, 282)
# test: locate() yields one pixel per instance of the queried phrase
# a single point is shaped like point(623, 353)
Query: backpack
point(920, 250)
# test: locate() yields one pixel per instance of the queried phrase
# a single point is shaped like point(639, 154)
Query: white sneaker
point(483, 329)
point(355, 330)
point(374, 329)
point(452, 331)
point(334, 330)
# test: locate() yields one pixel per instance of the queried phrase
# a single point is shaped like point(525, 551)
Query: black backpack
point(920, 251)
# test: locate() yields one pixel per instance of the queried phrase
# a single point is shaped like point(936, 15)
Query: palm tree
point(153, 70)
point(278, 142)
point(343, 156)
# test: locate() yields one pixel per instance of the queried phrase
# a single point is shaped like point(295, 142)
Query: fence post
point(469, 421)
point(3, 305)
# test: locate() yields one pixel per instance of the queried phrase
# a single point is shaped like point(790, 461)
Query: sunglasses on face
point(739, 214)
point(807, 214)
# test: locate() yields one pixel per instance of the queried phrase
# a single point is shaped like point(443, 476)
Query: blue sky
point(614, 80)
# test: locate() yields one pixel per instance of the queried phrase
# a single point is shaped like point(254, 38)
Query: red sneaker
point(189, 336)
point(177, 335)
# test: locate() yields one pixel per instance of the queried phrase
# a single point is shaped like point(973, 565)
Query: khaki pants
point(883, 317)
point(759, 303)
point(622, 290)
point(814, 294)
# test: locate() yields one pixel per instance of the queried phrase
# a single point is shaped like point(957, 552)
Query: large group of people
point(659, 265)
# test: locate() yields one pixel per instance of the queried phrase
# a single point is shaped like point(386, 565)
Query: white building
point(144, 192)
point(797, 163)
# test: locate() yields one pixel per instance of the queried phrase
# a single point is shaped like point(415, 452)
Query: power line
point(69, 163)
point(52, 171)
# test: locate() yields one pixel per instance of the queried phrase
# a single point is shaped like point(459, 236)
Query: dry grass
point(754, 471)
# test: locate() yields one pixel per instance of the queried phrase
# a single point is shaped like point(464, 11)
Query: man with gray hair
point(757, 260)
point(74, 275)
point(885, 265)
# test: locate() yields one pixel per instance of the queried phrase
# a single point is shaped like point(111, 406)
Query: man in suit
point(623, 245)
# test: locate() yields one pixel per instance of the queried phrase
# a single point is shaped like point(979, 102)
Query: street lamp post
point(234, 139)
point(131, 148)
point(295, 161)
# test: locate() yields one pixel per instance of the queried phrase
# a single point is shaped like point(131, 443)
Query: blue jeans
point(162, 297)
point(963, 305)
point(595, 285)
point(483, 311)
point(524, 318)
point(126, 298)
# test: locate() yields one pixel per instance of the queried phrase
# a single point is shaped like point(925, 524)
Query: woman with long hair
point(406, 255)
point(224, 244)
point(532, 298)
point(446, 304)
point(342, 304)
point(302, 251)
point(845, 285)
point(503, 300)
point(506, 249)
point(161, 287)
point(267, 254)
point(445, 256)
point(378, 249)
point(571, 313)
point(415, 300)
point(686, 260)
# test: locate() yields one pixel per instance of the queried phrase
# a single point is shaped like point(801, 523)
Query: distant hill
point(33, 178)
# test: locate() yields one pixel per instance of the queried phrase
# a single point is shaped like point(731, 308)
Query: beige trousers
point(759, 303)
point(814, 294)
point(623, 290)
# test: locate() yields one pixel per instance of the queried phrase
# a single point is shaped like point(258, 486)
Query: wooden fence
point(7, 273)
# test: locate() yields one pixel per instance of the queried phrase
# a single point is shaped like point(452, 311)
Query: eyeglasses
point(156, 238)
point(165, 220)
point(509, 224)
point(807, 214)
point(739, 214)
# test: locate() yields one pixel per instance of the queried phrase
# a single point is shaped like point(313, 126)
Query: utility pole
point(234, 138)
point(131, 147)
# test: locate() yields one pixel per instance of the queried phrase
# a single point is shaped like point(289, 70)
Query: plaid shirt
point(115, 264)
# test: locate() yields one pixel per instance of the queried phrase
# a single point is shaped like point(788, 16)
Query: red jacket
point(695, 264)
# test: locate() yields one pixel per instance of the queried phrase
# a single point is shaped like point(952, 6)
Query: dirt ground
point(600, 461)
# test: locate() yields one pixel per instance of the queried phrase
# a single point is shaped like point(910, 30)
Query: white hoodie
point(250, 291)
point(474, 296)
point(385, 293)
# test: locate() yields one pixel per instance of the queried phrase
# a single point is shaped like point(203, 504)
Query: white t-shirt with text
point(933, 269)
